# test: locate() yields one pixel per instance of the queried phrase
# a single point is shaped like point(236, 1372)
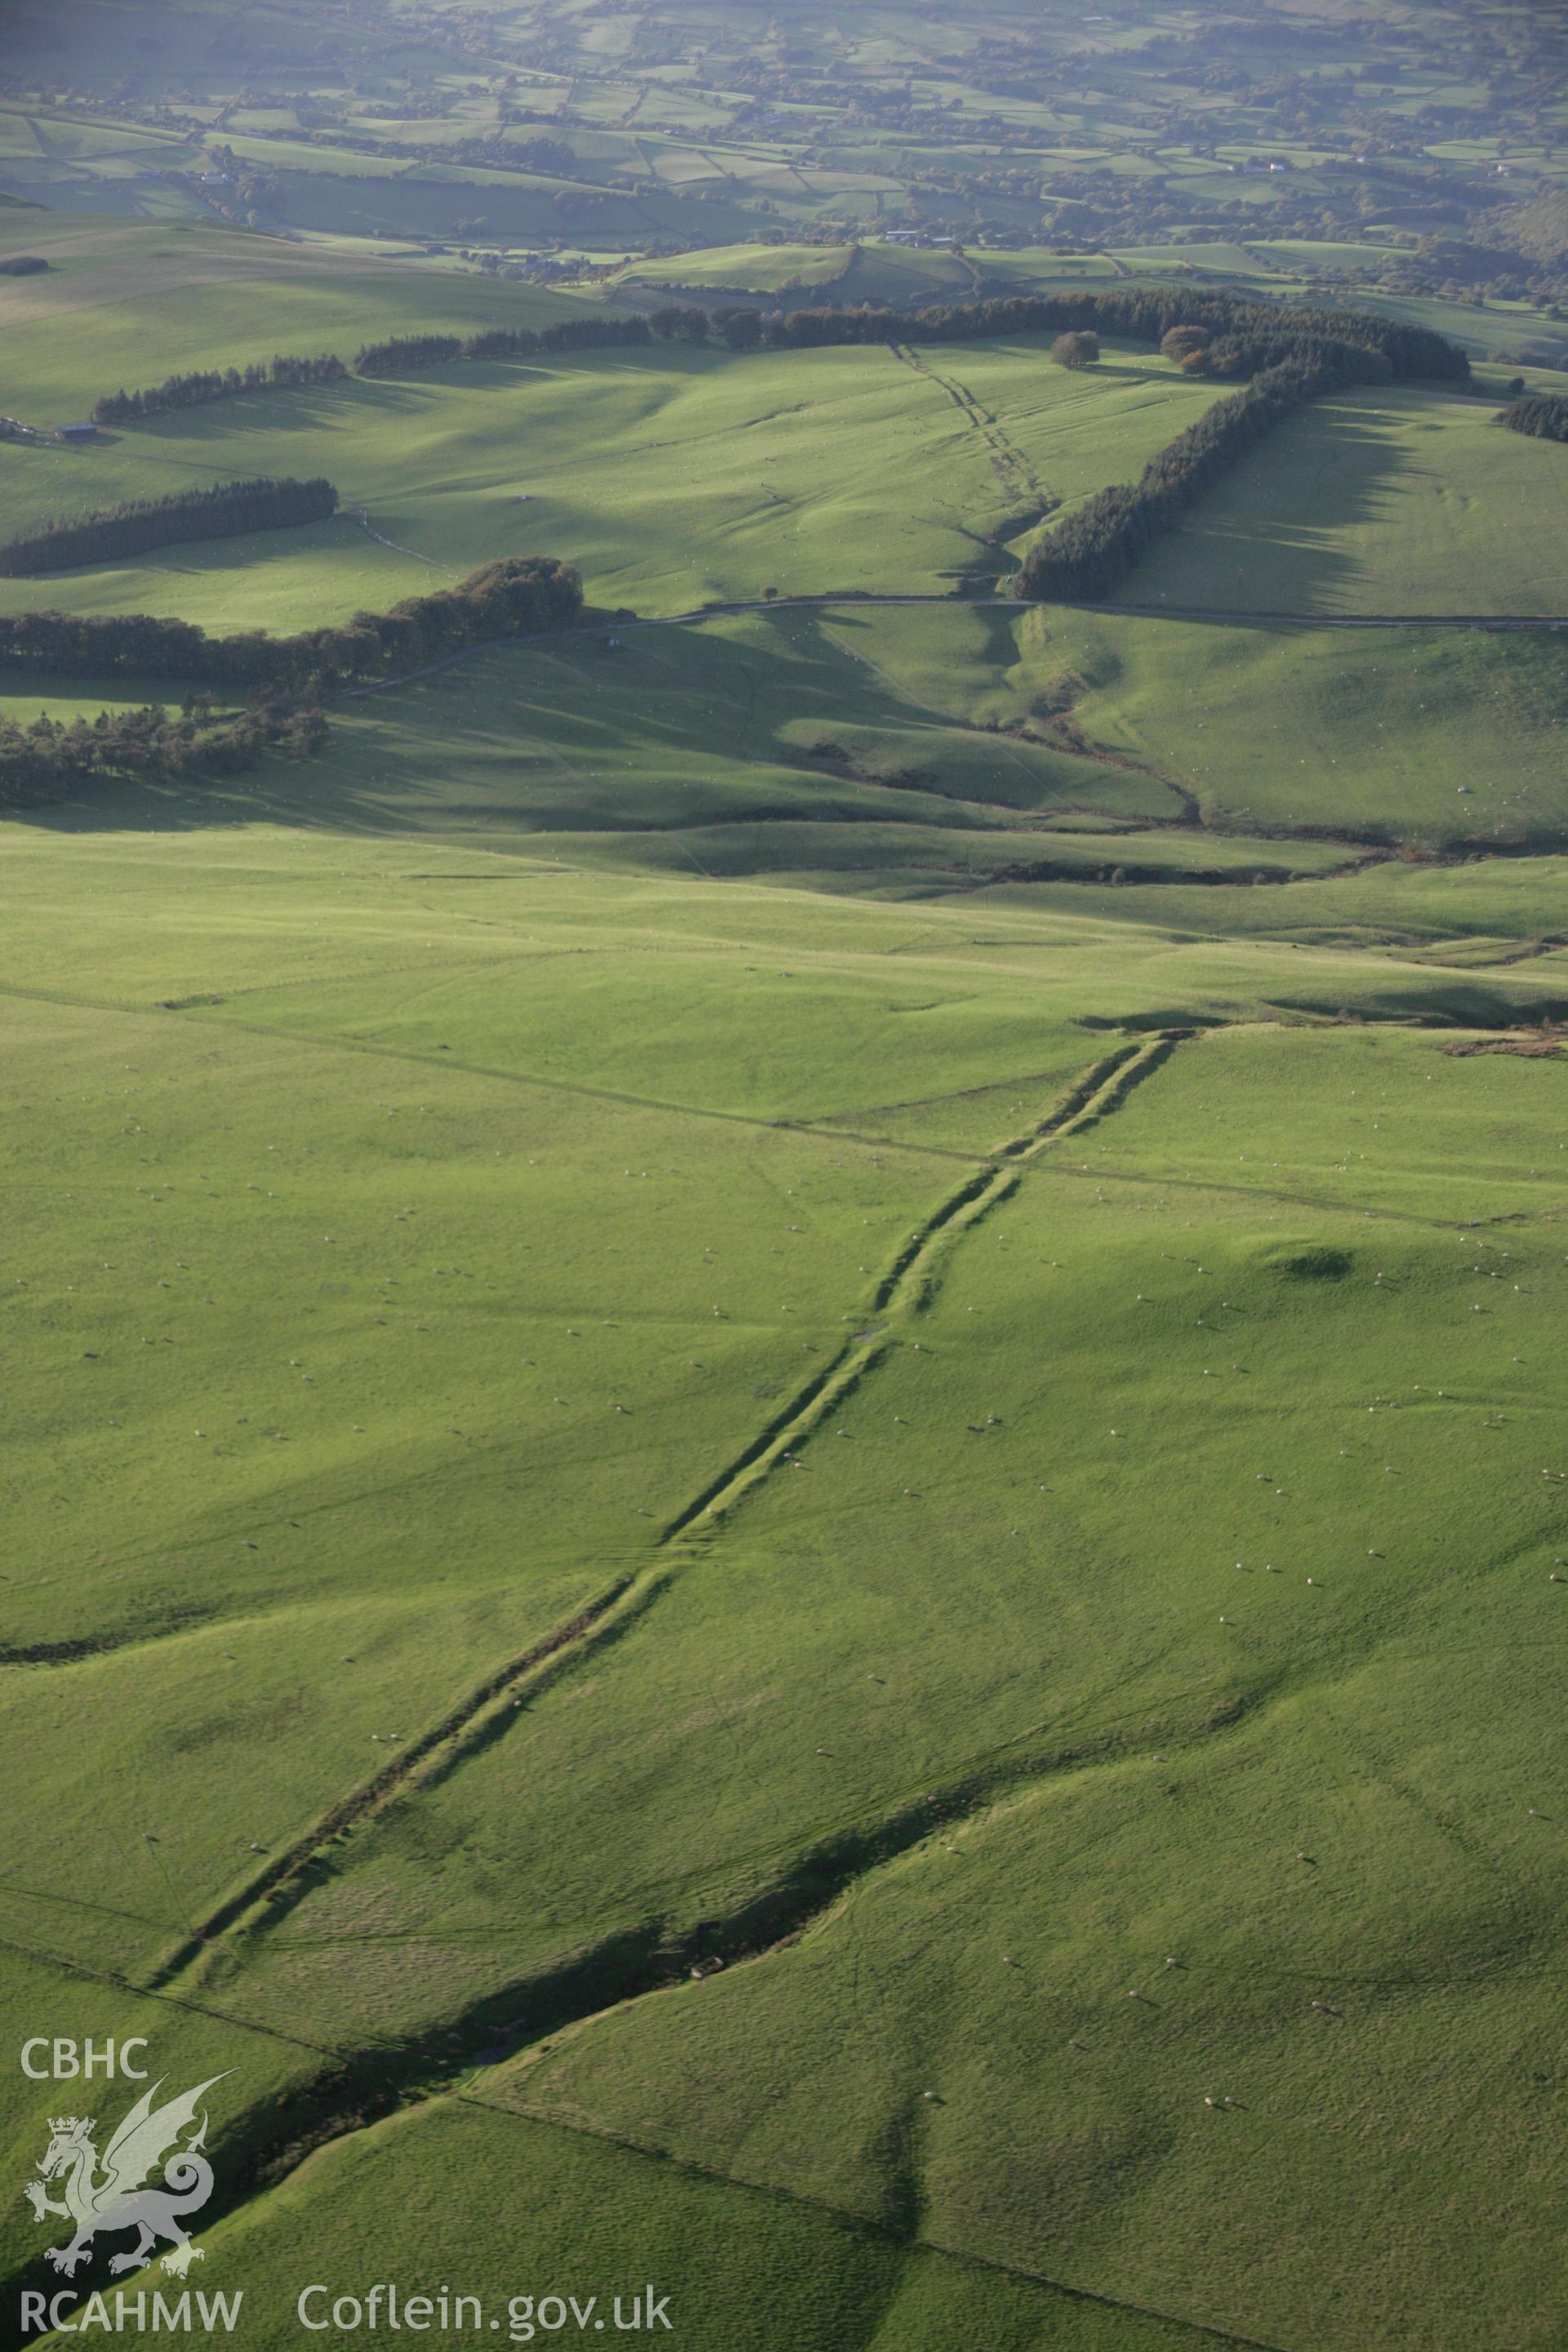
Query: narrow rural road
point(853, 599)
point(1134, 612)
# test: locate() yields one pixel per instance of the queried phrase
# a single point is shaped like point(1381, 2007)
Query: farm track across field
point(1007, 461)
point(365, 524)
point(853, 599)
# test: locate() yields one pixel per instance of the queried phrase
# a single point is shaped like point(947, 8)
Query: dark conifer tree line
point(1086, 556)
point(594, 335)
point(189, 391)
point(401, 353)
point(1544, 414)
point(1241, 338)
point(107, 533)
point(1245, 337)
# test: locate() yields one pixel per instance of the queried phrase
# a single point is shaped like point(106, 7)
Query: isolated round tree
point(1078, 350)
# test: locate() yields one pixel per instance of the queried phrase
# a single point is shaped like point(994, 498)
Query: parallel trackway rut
point(1008, 462)
point(485, 1712)
point(531, 1672)
point(357, 2087)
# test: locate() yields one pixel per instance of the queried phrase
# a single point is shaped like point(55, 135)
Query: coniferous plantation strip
point(401, 353)
point(1542, 413)
point(285, 372)
point(189, 391)
point(1245, 337)
point(106, 534)
point(519, 596)
point(1084, 557)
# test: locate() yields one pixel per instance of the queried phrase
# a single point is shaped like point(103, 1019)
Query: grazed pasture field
point(785, 1441)
point(670, 479)
point(399, 1264)
point(1381, 502)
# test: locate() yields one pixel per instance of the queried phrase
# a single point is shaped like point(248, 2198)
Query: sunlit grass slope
point(669, 476)
point(776, 1428)
point(1396, 500)
point(1432, 736)
point(1203, 1579)
point(293, 1365)
point(127, 303)
point(600, 2221)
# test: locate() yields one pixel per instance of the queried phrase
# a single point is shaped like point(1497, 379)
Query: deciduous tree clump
point(285, 677)
point(517, 597)
point(1542, 413)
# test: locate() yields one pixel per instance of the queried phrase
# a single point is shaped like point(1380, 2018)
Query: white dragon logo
point(118, 2201)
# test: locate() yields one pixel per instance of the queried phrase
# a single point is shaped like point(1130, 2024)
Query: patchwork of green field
point(874, 271)
point(987, 129)
point(1217, 260)
point(515, 207)
point(868, 272)
point(749, 269)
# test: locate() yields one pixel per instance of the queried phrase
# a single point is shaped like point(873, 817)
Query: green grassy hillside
point(785, 1387)
point(1378, 502)
point(669, 477)
point(125, 305)
point(601, 2217)
point(774, 1718)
